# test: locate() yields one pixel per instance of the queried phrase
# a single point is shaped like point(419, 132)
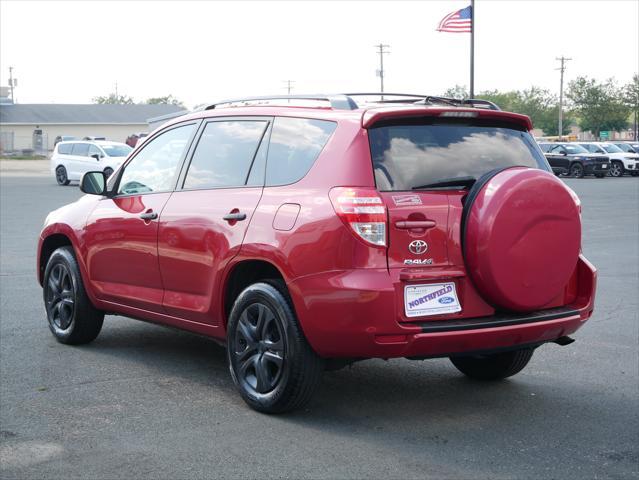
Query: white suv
point(70, 160)
point(620, 162)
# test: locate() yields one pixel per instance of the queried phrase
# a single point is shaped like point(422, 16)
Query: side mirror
point(93, 183)
point(97, 156)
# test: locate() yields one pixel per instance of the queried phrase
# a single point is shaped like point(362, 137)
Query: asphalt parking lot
point(144, 401)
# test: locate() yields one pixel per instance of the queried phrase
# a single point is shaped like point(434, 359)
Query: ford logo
point(417, 247)
point(446, 300)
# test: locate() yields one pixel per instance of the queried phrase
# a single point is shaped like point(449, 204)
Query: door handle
point(234, 217)
point(148, 216)
point(414, 224)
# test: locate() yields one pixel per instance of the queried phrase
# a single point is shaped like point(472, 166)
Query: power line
point(563, 61)
point(381, 50)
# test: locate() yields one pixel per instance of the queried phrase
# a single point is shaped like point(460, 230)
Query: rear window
point(408, 156)
point(65, 148)
point(295, 144)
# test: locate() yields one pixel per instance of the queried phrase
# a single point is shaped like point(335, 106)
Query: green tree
point(458, 91)
point(166, 100)
point(112, 98)
point(599, 106)
point(631, 97)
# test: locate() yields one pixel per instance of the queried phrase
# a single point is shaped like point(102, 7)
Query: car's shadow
point(399, 390)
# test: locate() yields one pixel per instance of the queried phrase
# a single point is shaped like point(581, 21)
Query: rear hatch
point(423, 167)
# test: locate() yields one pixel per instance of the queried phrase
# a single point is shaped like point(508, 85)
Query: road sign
point(605, 135)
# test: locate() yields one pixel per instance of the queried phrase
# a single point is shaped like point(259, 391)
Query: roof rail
point(344, 101)
point(338, 101)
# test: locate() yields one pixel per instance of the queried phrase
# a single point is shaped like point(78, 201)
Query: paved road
point(148, 402)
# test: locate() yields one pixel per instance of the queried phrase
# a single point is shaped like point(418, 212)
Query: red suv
point(309, 232)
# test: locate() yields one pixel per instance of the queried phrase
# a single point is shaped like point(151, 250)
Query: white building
point(35, 126)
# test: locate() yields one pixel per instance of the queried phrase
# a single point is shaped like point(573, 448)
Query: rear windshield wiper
point(449, 182)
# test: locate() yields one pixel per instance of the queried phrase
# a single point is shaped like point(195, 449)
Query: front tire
point(495, 366)
point(616, 169)
point(577, 170)
point(61, 176)
point(271, 363)
point(72, 317)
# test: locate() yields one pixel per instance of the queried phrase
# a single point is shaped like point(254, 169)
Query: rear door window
point(224, 154)
point(413, 154)
point(80, 149)
point(295, 145)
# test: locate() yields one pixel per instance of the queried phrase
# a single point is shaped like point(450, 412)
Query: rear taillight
point(363, 210)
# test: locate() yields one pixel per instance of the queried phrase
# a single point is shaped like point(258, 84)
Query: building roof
point(83, 114)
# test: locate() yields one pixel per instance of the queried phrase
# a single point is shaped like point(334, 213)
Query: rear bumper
point(355, 314)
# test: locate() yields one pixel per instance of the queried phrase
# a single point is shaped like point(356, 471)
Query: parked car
point(308, 235)
point(575, 159)
point(133, 139)
point(63, 138)
point(620, 161)
point(93, 138)
point(70, 160)
point(628, 147)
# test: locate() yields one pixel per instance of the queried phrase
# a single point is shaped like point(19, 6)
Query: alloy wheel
point(259, 349)
point(61, 175)
point(60, 297)
point(615, 170)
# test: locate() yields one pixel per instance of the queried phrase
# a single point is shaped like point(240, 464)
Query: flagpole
point(472, 48)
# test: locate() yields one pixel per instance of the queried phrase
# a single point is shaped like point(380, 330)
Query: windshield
point(625, 147)
point(408, 156)
point(611, 148)
point(116, 150)
point(573, 149)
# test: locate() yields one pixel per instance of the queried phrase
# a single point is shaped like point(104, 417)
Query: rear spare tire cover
point(521, 237)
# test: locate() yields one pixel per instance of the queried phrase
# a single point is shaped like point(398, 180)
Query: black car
point(575, 160)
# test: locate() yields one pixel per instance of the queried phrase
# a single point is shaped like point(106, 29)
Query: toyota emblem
point(417, 247)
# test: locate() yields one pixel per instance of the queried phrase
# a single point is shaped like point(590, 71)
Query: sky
point(199, 51)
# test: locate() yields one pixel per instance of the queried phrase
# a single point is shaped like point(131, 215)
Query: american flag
point(457, 22)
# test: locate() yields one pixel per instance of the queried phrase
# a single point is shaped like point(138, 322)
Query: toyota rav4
point(309, 232)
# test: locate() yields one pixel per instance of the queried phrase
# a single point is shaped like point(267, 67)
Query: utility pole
point(563, 61)
point(381, 50)
point(116, 90)
point(289, 86)
point(13, 100)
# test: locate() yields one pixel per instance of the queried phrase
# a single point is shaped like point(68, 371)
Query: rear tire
point(72, 317)
point(61, 176)
point(271, 363)
point(495, 366)
point(577, 170)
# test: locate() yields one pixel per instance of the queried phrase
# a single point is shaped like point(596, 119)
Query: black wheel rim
point(259, 349)
point(577, 171)
point(60, 297)
point(61, 175)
